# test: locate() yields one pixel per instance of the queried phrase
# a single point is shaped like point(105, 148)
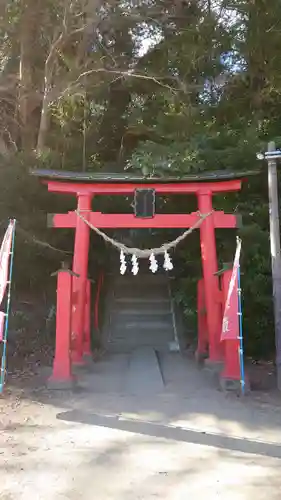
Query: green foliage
point(257, 292)
point(174, 159)
point(24, 199)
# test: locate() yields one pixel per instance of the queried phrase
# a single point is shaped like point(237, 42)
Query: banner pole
point(241, 351)
point(4, 354)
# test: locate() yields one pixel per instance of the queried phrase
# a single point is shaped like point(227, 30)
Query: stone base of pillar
point(88, 358)
point(84, 367)
point(213, 370)
point(200, 358)
point(61, 384)
point(213, 366)
point(233, 385)
point(77, 360)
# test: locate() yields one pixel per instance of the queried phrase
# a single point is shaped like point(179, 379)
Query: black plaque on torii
point(144, 203)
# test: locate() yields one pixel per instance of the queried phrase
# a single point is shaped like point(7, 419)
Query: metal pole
point(4, 354)
point(241, 351)
point(275, 250)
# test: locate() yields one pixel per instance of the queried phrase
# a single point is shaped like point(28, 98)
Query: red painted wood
point(62, 362)
point(202, 344)
point(84, 192)
point(87, 348)
point(231, 370)
point(169, 188)
point(184, 221)
point(80, 267)
point(211, 282)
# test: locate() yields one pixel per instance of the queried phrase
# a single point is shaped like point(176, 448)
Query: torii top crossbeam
point(87, 185)
point(122, 183)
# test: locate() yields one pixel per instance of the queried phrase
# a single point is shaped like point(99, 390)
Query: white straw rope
point(141, 254)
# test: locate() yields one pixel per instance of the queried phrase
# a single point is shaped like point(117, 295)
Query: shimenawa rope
point(139, 253)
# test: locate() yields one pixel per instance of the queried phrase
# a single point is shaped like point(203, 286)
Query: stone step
point(126, 348)
point(132, 342)
point(134, 282)
point(141, 300)
point(147, 323)
point(148, 294)
point(149, 330)
point(133, 322)
point(142, 292)
point(162, 344)
point(145, 308)
point(150, 279)
point(137, 316)
point(148, 336)
point(140, 313)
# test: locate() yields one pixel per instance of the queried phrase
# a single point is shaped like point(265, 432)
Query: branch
point(61, 40)
point(11, 140)
point(119, 74)
point(65, 34)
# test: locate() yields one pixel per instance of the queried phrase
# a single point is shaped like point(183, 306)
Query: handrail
point(173, 313)
point(97, 300)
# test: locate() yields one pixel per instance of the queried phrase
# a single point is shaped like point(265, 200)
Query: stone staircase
point(139, 314)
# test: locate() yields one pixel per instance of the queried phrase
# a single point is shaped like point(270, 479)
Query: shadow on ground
point(172, 433)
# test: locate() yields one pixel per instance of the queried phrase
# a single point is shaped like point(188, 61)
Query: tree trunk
point(45, 113)
point(114, 123)
point(44, 125)
point(28, 99)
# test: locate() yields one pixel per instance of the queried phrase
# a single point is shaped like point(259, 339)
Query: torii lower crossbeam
point(129, 221)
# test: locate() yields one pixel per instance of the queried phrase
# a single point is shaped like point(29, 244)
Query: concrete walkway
point(187, 440)
point(144, 375)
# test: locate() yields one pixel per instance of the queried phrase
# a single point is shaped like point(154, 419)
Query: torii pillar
point(80, 267)
point(211, 282)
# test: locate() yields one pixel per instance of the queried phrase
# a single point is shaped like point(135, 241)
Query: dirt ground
point(189, 441)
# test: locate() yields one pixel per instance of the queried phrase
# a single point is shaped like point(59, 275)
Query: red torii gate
point(86, 186)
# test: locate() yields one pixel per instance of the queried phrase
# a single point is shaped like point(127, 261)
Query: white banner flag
point(5, 253)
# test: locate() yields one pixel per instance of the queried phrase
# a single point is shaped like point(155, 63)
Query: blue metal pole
point(4, 354)
point(241, 350)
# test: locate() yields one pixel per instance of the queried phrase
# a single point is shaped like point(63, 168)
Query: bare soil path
point(103, 442)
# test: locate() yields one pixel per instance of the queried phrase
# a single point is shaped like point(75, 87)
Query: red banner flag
point(2, 325)
point(230, 322)
point(5, 253)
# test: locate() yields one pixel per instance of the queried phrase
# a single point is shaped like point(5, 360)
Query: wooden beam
point(77, 188)
point(129, 221)
point(62, 220)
